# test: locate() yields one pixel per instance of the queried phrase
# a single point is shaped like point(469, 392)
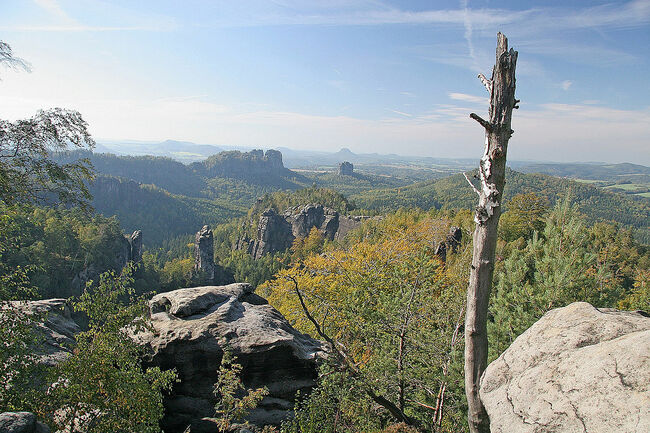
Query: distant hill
point(183, 151)
point(159, 214)
point(453, 192)
point(172, 198)
point(254, 167)
point(594, 171)
point(165, 173)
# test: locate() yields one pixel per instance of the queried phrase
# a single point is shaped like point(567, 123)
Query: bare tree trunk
point(492, 177)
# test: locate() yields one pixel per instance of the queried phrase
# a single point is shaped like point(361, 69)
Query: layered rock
point(53, 324)
point(204, 253)
point(21, 422)
point(578, 369)
point(252, 166)
point(274, 233)
point(192, 327)
point(206, 271)
point(277, 232)
point(130, 250)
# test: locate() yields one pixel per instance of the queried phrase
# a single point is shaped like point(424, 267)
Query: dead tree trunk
point(492, 177)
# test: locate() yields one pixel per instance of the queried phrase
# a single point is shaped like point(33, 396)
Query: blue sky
point(373, 76)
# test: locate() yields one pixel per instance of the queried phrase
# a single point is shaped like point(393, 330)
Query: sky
point(370, 75)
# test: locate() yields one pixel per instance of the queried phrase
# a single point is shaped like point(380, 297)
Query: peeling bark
point(492, 177)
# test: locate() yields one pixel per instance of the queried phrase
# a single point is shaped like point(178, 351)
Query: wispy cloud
point(123, 20)
point(469, 98)
point(467, 23)
point(401, 113)
point(54, 8)
point(566, 84)
point(83, 28)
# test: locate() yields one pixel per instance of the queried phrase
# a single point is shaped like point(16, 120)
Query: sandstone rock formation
point(130, 250)
point(254, 166)
point(204, 253)
point(346, 169)
point(135, 244)
point(276, 232)
point(192, 327)
point(578, 369)
point(451, 243)
point(21, 422)
point(54, 326)
point(206, 271)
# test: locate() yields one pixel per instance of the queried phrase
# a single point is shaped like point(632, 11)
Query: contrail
point(467, 22)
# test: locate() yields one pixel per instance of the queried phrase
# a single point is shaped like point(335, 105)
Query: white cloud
point(469, 98)
point(401, 113)
point(566, 84)
point(559, 132)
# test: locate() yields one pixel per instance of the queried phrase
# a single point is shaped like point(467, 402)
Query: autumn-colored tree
point(391, 311)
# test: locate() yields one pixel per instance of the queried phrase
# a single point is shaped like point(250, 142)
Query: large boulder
point(192, 327)
point(578, 369)
point(21, 422)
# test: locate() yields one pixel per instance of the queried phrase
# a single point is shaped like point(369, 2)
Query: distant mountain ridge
point(589, 171)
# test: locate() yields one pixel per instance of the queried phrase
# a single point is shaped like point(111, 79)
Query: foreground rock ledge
point(21, 422)
point(191, 328)
point(578, 369)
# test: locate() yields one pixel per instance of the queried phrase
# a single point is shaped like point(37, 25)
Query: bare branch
point(487, 83)
point(349, 364)
point(472, 185)
point(8, 59)
point(484, 123)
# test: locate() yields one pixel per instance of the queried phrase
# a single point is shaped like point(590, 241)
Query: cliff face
point(277, 232)
point(206, 271)
point(252, 166)
point(130, 250)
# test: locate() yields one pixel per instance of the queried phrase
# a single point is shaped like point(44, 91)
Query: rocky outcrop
point(346, 169)
point(252, 166)
point(273, 234)
point(21, 422)
point(192, 327)
point(130, 250)
point(204, 253)
point(451, 243)
point(135, 246)
point(348, 223)
point(206, 271)
point(54, 326)
point(276, 232)
point(578, 369)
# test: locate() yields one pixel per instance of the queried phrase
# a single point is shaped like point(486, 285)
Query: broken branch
point(484, 123)
point(487, 83)
point(472, 185)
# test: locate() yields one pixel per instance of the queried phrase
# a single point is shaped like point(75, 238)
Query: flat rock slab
point(577, 369)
